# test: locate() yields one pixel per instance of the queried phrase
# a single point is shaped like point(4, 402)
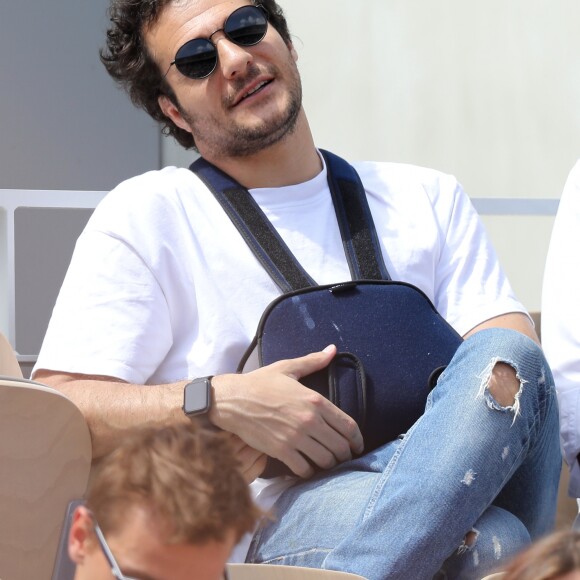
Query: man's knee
point(501, 386)
point(504, 384)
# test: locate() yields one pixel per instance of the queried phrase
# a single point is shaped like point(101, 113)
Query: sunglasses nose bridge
point(233, 58)
point(210, 37)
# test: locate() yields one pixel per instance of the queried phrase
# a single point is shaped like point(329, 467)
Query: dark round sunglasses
point(198, 57)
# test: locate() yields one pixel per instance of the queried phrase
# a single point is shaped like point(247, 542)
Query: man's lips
point(250, 90)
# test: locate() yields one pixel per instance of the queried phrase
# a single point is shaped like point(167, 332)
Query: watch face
point(196, 397)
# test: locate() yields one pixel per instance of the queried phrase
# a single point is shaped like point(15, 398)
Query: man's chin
point(251, 140)
point(252, 143)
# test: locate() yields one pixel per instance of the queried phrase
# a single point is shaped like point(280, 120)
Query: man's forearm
point(112, 407)
point(268, 409)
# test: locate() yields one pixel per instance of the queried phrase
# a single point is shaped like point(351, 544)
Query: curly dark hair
point(128, 61)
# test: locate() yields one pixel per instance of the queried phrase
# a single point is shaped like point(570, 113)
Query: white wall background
point(63, 122)
point(488, 91)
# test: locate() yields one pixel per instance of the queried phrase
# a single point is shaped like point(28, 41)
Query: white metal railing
point(515, 206)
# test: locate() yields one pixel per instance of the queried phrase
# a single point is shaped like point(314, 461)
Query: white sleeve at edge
point(561, 320)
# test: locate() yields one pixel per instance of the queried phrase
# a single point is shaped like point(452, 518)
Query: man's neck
point(291, 161)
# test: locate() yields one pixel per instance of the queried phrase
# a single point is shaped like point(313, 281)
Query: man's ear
point(293, 52)
point(172, 112)
point(81, 530)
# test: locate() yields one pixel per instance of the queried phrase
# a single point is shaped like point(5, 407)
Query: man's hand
point(275, 414)
point(252, 462)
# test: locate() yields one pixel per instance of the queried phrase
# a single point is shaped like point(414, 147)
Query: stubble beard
point(238, 140)
point(246, 141)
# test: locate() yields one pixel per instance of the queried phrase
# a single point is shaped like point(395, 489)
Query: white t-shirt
point(561, 320)
point(162, 287)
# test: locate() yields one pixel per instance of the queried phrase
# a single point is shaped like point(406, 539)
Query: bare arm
point(514, 320)
point(111, 406)
point(268, 409)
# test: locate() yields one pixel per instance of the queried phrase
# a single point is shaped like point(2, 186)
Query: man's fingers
point(252, 462)
point(346, 427)
point(256, 469)
point(247, 454)
point(284, 419)
point(337, 433)
point(319, 454)
point(306, 365)
point(236, 443)
point(298, 464)
point(319, 444)
point(341, 447)
point(313, 454)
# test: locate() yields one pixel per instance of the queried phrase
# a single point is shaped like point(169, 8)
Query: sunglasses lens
point(196, 59)
point(247, 25)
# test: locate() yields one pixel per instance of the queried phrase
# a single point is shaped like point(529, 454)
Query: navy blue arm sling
point(392, 343)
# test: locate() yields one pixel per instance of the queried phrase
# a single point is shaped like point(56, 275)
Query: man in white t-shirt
point(561, 320)
point(162, 290)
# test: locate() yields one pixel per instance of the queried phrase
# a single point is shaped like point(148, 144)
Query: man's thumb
point(312, 362)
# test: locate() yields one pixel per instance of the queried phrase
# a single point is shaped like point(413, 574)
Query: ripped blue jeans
point(469, 485)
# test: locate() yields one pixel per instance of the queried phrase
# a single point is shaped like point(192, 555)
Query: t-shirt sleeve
point(110, 317)
point(470, 284)
point(561, 319)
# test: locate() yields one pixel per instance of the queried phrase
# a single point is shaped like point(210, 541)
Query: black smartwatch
point(197, 397)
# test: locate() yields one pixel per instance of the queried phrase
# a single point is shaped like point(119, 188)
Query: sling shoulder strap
point(358, 233)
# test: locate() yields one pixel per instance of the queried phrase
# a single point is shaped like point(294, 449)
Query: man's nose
point(232, 58)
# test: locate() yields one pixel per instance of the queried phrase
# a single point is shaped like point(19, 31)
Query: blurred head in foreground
point(168, 503)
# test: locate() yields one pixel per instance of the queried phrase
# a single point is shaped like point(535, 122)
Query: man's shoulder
point(152, 191)
point(159, 182)
point(400, 170)
point(154, 197)
point(405, 178)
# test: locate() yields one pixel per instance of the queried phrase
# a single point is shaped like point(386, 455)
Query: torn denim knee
point(484, 388)
point(468, 542)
